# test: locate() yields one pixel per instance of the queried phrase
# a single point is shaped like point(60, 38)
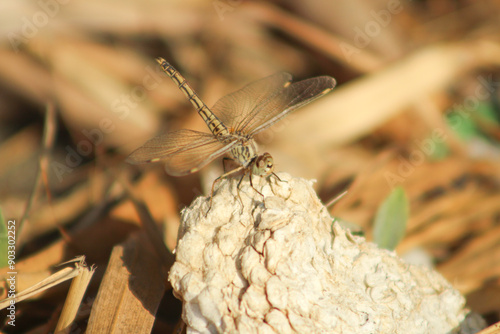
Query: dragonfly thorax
point(245, 152)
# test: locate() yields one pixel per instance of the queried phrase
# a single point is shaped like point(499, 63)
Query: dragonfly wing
point(233, 109)
point(277, 106)
point(183, 151)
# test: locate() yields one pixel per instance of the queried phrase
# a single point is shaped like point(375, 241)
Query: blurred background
point(416, 105)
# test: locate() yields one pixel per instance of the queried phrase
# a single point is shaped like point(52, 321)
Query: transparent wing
point(234, 109)
point(183, 151)
point(281, 103)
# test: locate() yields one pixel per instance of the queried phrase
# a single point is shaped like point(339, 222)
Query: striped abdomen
point(213, 123)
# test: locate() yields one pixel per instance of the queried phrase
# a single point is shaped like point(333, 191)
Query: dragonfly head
point(264, 165)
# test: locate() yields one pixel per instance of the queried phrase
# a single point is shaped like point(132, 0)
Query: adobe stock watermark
point(221, 7)
point(30, 26)
point(482, 92)
point(121, 107)
point(365, 34)
point(417, 157)
point(426, 147)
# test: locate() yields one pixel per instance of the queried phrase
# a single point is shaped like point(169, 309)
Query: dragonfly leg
point(238, 192)
point(276, 176)
point(217, 180)
point(258, 192)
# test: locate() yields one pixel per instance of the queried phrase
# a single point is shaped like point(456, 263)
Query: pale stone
point(282, 265)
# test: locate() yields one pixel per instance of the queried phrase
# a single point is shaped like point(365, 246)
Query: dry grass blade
point(307, 33)
point(131, 290)
point(65, 208)
point(493, 329)
point(51, 281)
point(73, 301)
point(151, 230)
point(49, 133)
point(421, 74)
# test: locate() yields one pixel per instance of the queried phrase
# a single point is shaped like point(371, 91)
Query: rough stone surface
point(285, 267)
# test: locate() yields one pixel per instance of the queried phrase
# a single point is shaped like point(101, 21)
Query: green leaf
point(487, 113)
point(440, 152)
point(3, 241)
point(464, 122)
point(391, 219)
point(464, 127)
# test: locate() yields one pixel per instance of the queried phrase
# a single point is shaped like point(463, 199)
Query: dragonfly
point(233, 122)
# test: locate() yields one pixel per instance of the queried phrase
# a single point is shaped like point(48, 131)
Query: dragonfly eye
point(264, 165)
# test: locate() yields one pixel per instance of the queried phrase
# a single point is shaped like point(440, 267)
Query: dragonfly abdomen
point(213, 123)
